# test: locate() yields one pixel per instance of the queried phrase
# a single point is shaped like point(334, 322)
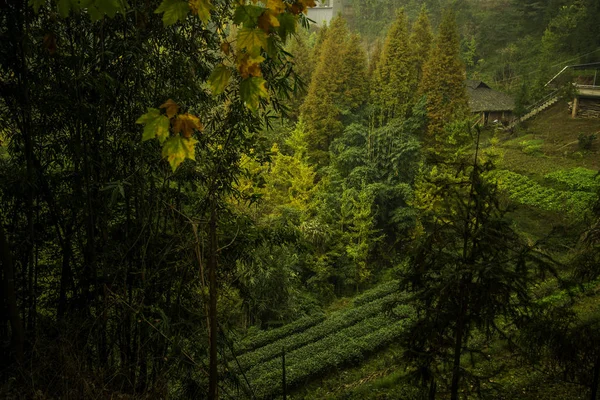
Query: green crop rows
point(526, 191)
point(345, 346)
point(581, 179)
point(376, 293)
point(264, 338)
point(333, 324)
point(315, 345)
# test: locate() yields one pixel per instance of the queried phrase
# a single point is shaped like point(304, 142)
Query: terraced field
point(315, 345)
point(579, 182)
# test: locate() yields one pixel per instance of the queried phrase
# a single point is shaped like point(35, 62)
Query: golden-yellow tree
point(338, 88)
point(393, 83)
point(443, 81)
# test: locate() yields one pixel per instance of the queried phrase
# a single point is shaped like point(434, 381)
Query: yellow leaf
point(176, 149)
point(174, 10)
point(308, 3)
point(219, 79)
point(201, 8)
point(267, 20)
point(155, 125)
point(171, 108)
point(251, 90)
point(249, 65)
point(186, 123)
point(276, 5)
point(251, 39)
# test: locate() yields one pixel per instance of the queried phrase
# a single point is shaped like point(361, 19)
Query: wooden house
point(491, 105)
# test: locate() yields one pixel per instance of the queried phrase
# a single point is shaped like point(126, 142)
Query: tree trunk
point(596, 379)
point(212, 277)
point(458, 334)
point(456, 366)
point(8, 288)
point(432, 389)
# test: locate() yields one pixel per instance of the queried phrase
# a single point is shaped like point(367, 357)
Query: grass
point(556, 133)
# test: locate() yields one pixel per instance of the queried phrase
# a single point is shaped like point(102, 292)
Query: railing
point(548, 97)
point(587, 86)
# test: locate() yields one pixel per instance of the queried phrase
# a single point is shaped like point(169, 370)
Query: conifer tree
point(337, 89)
point(392, 91)
point(318, 38)
point(375, 57)
point(443, 81)
point(303, 62)
point(421, 39)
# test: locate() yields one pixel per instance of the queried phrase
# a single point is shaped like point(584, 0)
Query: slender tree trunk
point(8, 288)
point(458, 334)
point(432, 389)
point(212, 277)
point(596, 379)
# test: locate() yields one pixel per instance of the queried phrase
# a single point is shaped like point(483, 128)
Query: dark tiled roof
point(483, 98)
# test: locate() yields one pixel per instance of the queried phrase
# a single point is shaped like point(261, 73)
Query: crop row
point(332, 324)
point(582, 179)
point(525, 191)
point(265, 337)
point(376, 293)
point(347, 346)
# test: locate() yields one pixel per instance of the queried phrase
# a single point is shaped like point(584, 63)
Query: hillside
point(559, 180)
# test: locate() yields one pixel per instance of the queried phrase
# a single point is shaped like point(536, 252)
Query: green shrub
point(586, 141)
point(532, 147)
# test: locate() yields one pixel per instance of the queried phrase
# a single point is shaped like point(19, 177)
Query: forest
point(214, 199)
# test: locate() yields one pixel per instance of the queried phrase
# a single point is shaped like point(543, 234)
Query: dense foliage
point(191, 190)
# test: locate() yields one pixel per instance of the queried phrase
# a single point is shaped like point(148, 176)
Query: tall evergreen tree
point(443, 80)
point(392, 91)
point(375, 57)
point(303, 62)
point(420, 40)
point(337, 89)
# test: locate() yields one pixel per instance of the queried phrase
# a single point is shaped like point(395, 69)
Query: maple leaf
point(219, 79)
point(296, 8)
point(171, 108)
point(155, 125)
point(287, 25)
point(251, 90)
point(186, 123)
point(176, 149)
point(101, 7)
point(249, 65)
point(247, 15)
point(267, 20)
point(201, 8)
point(308, 3)
point(36, 4)
point(64, 7)
point(174, 10)
point(251, 39)
point(276, 5)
